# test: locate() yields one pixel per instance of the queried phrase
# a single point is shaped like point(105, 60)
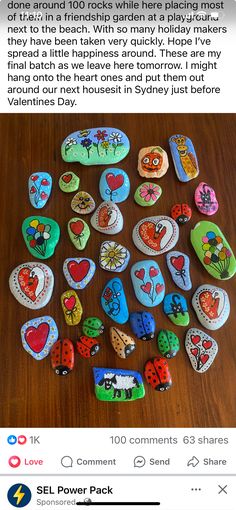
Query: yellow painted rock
point(72, 307)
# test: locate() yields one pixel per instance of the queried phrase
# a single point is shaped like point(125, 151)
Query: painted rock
point(178, 264)
point(114, 185)
point(87, 347)
point(79, 232)
point(96, 146)
point(78, 272)
point(167, 343)
point(114, 302)
point(107, 218)
point(211, 305)
point(201, 349)
point(40, 187)
point(157, 374)
point(143, 325)
point(213, 250)
point(82, 203)
point(122, 343)
point(181, 213)
point(155, 235)
point(41, 236)
point(116, 385)
point(113, 256)
point(184, 157)
point(92, 327)
point(38, 336)
point(32, 284)
point(147, 194)
point(152, 162)
point(205, 199)
point(71, 307)
point(148, 282)
point(69, 182)
point(176, 308)
point(63, 357)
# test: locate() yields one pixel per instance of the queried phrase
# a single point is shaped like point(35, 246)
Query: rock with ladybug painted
point(143, 325)
point(41, 236)
point(155, 235)
point(184, 157)
point(79, 232)
point(38, 336)
point(181, 213)
point(205, 199)
point(87, 347)
point(32, 284)
point(201, 349)
point(71, 307)
point(148, 282)
point(78, 272)
point(82, 203)
point(211, 305)
point(114, 185)
point(92, 327)
point(157, 374)
point(69, 182)
point(176, 308)
point(62, 357)
point(167, 343)
point(107, 218)
point(113, 301)
point(178, 264)
point(122, 343)
point(152, 162)
point(40, 187)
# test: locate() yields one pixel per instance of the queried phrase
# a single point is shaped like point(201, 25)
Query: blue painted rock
point(87, 347)
point(201, 349)
point(213, 250)
point(181, 213)
point(95, 146)
point(143, 325)
point(167, 343)
point(113, 301)
point(92, 327)
point(32, 284)
point(122, 343)
point(205, 199)
point(69, 182)
point(41, 236)
point(147, 194)
point(71, 307)
point(113, 256)
point(211, 305)
point(114, 185)
point(107, 218)
point(79, 232)
point(40, 187)
point(176, 308)
point(38, 336)
point(62, 357)
point(178, 264)
point(157, 374)
point(184, 157)
point(82, 203)
point(116, 385)
point(78, 272)
point(148, 282)
point(152, 162)
point(155, 235)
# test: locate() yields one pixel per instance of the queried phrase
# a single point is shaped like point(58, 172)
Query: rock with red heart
point(69, 182)
point(178, 264)
point(32, 284)
point(211, 305)
point(114, 185)
point(201, 349)
point(78, 272)
point(155, 235)
point(148, 283)
point(41, 236)
point(152, 162)
point(40, 187)
point(181, 213)
point(79, 232)
point(71, 307)
point(107, 218)
point(38, 336)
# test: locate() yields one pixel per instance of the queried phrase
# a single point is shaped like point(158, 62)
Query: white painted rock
point(201, 349)
point(211, 305)
point(107, 218)
point(113, 256)
point(155, 235)
point(32, 284)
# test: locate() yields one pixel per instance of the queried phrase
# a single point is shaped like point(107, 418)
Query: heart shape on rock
point(34, 178)
point(44, 195)
point(28, 283)
point(209, 304)
point(69, 303)
point(159, 288)
point(146, 288)
point(195, 339)
point(67, 178)
point(78, 270)
point(114, 181)
point(153, 272)
point(155, 235)
point(207, 344)
point(77, 227)
point(36, 338)
point(140, 273)
point(106, 216)
point(177, 262)
point(204, 358)
point(194, 352)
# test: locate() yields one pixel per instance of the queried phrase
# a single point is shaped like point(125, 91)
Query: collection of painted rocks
point(32, 283)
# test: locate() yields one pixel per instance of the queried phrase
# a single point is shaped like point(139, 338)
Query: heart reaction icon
point(14, 461)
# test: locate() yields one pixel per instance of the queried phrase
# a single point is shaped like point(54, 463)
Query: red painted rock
point(62, 357)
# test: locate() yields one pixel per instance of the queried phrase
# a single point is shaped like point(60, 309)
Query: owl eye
point(156, 161)
point(146, 160)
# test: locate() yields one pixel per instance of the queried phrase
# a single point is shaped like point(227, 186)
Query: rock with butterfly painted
point(201, 349)
point(211, 305)
point(178, 264)
point(107, 218)
point(155, 235)
point(114, 185)
point(176, 308)
point(32, 284)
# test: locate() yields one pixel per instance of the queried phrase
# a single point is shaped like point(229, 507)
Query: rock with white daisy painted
point(147, 194)
point(113, 256)
point(107, 218)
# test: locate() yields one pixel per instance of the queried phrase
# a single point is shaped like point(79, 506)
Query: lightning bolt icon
point(19, 495)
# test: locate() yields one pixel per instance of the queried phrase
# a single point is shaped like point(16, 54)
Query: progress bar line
point(119, 504)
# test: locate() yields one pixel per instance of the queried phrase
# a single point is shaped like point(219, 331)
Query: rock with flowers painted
point(38, 336)
point(147, 194)
point(122, 343)
point(69, 182)
point(41, 236)
point(148, 282)
point(155, 235)
point(32, 284)
point(114, 185)
point(107, 218)
point(152, 162)
point(205, 199)
point(71, 307)
point(113, 301)
point(78, 272)
point(95, 146)
point(184, 157)
point(176, 308)
point(201, 349)
point(213, 250)
point(79, 232)
point(83, 203)
point(40, 187)
point(113, 256)
point(211, 305)
point(178, 264)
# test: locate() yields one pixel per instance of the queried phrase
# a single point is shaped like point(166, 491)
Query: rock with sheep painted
point(117, 385)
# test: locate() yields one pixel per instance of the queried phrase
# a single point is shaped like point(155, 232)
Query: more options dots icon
point(19, 495)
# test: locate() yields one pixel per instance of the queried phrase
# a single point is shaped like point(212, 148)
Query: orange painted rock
point(122, 343)
point(152, 162)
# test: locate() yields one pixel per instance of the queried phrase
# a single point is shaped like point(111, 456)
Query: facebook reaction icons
point(19, 495)
point(14, 461)
point(12, 440)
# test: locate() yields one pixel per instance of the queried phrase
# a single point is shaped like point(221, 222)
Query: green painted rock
point(92, 327)
point(176, 308)
point(79, 232)
point(213, 250)
point(147, 194)
point(116, 385)
point(69, 182)
point(167, 343)
point(41, 236)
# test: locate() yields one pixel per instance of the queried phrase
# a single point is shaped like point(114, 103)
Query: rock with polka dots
point(32, 284)
point(211, 305)
point(157, 374)
point(38, 336)
point(122, 343)
point(181, 213)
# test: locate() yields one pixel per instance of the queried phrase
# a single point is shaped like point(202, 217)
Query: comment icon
point(67, 461)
